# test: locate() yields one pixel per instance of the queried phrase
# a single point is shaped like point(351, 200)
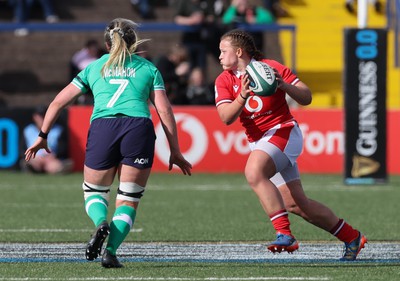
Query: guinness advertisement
point(365, 105)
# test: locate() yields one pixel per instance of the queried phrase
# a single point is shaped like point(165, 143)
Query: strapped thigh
point(94, 189)
point(130, 191)
point(288, 174)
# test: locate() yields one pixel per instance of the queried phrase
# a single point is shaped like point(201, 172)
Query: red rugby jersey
point(260, 113)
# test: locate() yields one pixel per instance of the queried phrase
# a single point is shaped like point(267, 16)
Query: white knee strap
point(94, 189)
point(130, 191)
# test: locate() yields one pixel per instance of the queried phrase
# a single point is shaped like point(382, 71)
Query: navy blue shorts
point(123, 140)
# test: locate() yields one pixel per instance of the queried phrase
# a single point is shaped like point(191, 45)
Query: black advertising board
point(365, 105)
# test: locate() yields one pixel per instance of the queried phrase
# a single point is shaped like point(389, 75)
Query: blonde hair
point(122, 39)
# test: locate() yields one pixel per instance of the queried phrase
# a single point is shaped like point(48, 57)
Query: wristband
point(242, 96)
point(43, 135)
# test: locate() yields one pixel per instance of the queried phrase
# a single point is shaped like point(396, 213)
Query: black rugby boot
point(93, 247)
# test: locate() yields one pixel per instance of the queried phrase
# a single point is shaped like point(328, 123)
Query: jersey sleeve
point(222, 92)
point(81, 81)
point(287, 75)
point(158, 83)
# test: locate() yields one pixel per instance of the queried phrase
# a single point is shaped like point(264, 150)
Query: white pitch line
point(54, 230)
point(170, 278)
point(191, 251)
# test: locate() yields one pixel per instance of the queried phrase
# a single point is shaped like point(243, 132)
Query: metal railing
point(150, 27)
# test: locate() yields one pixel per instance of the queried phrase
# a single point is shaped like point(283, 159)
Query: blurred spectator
point(204, 16)
point(175, 69)
point(3, 102)
point(212, 29)
point(144, 9)
point(351, 6)
point(190, 13)
point(49, 163)
point(276, 8)
point(22, 10)
point(89, 53)
point(243, 11)
point(142, 51)
point(198, 91)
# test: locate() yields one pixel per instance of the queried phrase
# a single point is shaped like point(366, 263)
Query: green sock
point(96, 208)
point(121, 224)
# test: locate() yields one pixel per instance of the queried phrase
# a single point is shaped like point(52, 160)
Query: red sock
point(344, 232)
point(280, 221)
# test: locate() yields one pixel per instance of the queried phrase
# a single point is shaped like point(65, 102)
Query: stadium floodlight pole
point(362, 11)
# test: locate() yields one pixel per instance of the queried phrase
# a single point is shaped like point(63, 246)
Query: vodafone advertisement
point(214, 147)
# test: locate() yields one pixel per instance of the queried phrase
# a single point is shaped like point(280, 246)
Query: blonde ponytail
point(120, 35)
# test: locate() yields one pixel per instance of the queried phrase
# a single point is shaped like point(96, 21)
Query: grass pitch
point(202, 208)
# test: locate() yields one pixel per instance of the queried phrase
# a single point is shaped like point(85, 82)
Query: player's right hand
point(40, 143)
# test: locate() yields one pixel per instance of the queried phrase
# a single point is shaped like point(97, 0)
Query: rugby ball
point(262, 78)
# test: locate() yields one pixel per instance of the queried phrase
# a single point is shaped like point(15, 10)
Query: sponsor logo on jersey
point(141, 161)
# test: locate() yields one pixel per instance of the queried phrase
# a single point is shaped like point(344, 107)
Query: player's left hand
point(181, 162)
point(278, 78)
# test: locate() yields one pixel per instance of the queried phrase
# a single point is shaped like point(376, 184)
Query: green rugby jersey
point(120, 91)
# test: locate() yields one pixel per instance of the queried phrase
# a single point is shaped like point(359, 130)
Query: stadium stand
point(35, 67)
point(320, 35)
